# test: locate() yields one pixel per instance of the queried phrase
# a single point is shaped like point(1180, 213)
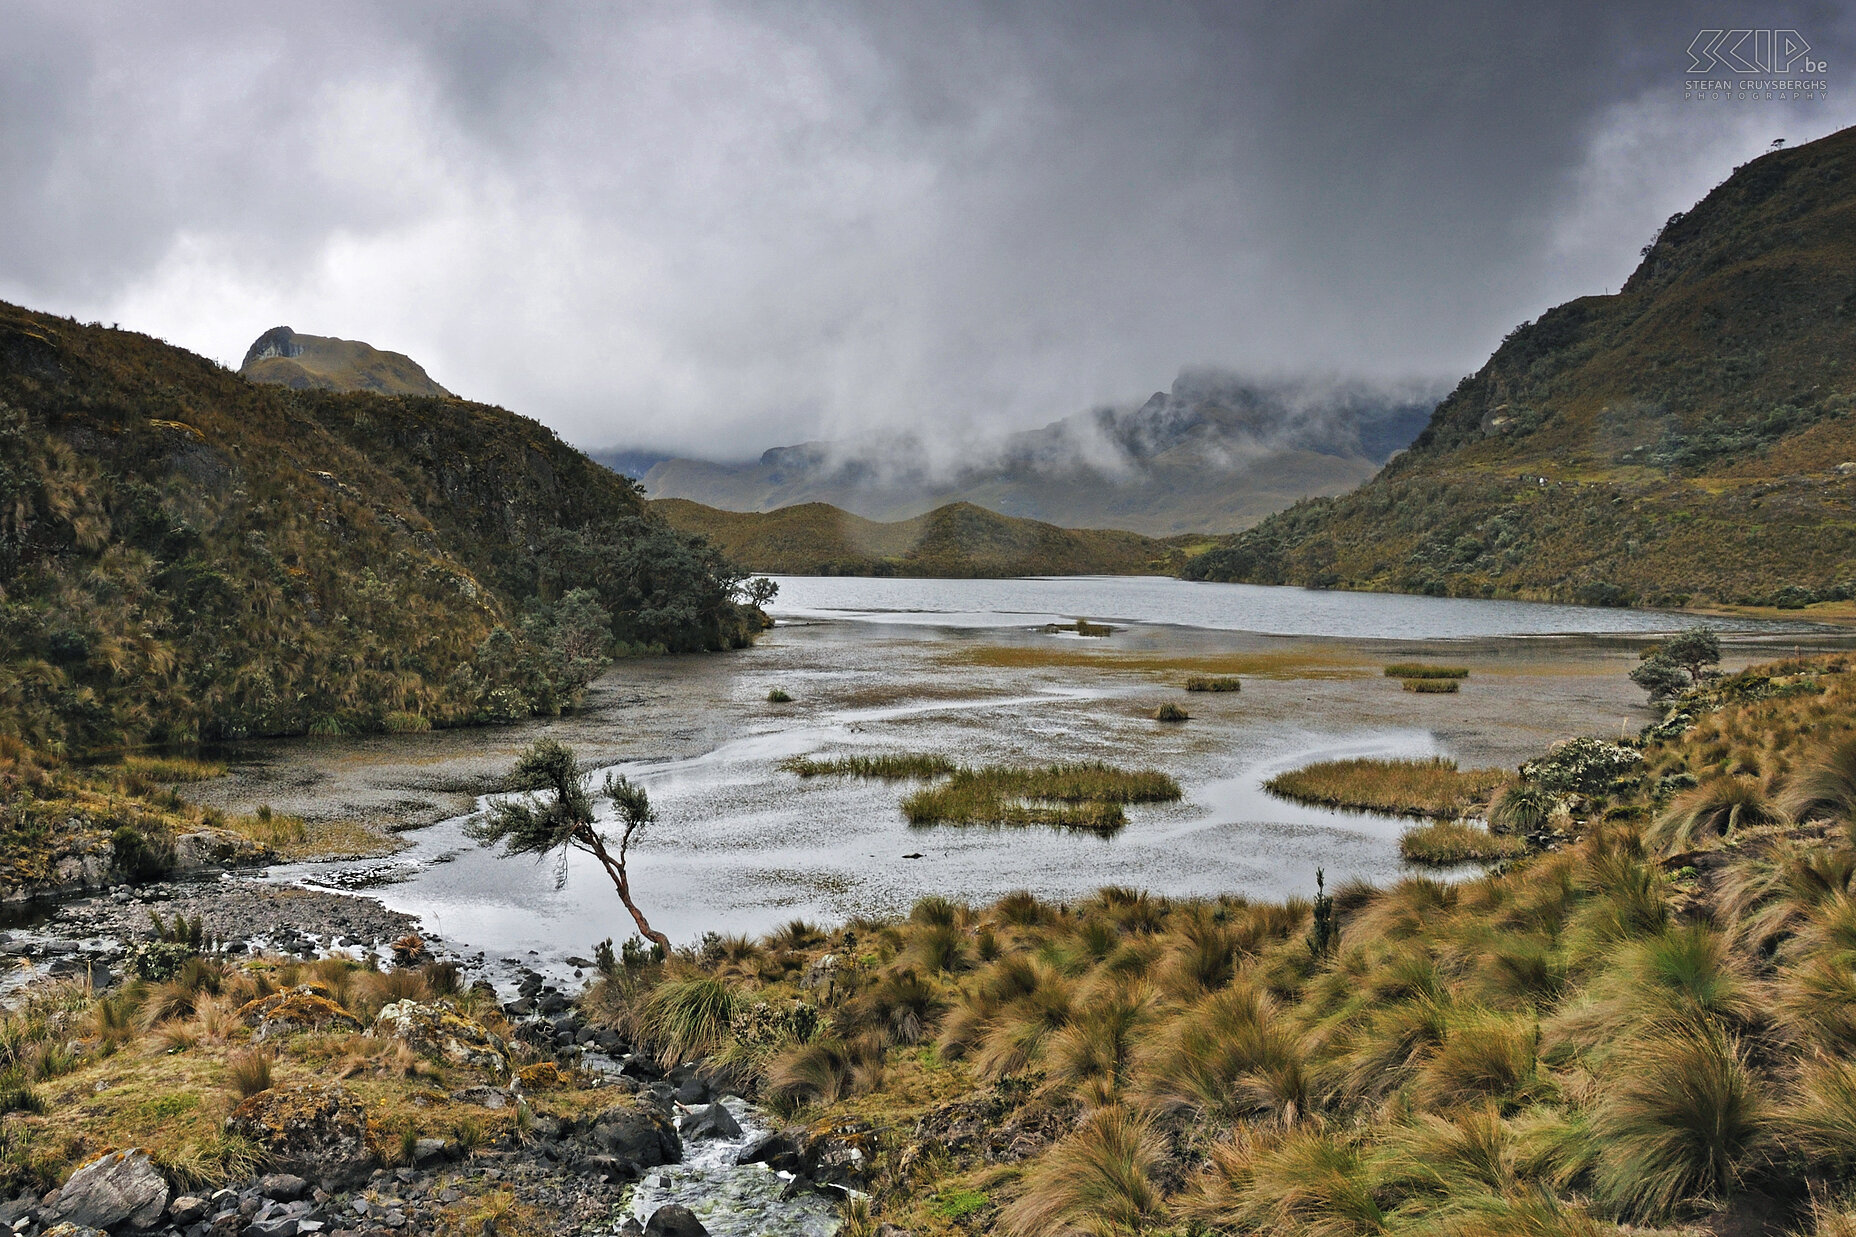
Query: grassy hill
point(283, 357)
point(957, 540)
point(1689, 440)
point(185, 554)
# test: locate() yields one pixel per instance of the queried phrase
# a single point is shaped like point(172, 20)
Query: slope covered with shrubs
point(1685, 440)
point(187, 555)
point(1630, 1024)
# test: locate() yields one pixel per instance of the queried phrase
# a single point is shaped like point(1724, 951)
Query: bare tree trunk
point(616, 870)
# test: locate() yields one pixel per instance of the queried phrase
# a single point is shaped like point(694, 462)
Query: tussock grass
point(1171, 713)
point(1446, 842)
point(685, 1018)
point(1424, 670)
point(1102, 1180)
point(890, 767)
point(249, 1073)
point(1711, 812)
point(1078, 796)
point(1214, 683)
point(779, 695)
point(173, 768)
point(1432, 687)
point(1432, 786)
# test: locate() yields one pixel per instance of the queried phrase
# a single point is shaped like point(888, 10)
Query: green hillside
point(958, 540)
point(185, 554)
point(1686, 441)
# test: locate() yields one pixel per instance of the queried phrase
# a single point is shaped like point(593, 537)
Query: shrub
point(1583, 766)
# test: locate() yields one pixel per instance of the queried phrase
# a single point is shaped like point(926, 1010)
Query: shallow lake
point(966, 668)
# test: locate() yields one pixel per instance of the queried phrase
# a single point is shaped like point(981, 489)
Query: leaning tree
point(555, 812)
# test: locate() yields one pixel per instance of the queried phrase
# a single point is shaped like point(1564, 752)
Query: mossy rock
point(542, 1076)
point(440, 1032)
point(301, 1009)
point(317, 1130)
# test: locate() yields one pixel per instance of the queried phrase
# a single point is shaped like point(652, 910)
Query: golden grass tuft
point(1077, 796)
point(1432, 687)
point(173, 768)
point(1420, 671)
point(1446, 842)
point(1214, 683)
point(1431, 786)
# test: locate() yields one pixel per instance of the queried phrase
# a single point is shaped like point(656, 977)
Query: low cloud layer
point(710, 228)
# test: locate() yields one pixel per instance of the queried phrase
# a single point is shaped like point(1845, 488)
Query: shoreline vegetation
point(1428, 786)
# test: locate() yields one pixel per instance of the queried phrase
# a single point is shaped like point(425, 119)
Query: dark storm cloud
point(714, 227)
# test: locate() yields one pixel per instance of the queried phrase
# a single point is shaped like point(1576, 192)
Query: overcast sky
point(711, 228)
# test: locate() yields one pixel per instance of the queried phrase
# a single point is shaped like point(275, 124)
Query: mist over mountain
point(1216, 453)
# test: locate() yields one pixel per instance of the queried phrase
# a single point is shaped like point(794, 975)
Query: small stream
point(735, 1200)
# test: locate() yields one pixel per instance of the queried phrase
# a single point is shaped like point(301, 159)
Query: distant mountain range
point(283, 357)
point(1691, 439)
point(958, 540)
point(1215, 454)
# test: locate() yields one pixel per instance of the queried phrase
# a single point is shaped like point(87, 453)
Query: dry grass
point(1171, 713)
point(1214, 683)
point(1447, 842)
point(1432, 786)
point(173, 768)
point(1432, 687)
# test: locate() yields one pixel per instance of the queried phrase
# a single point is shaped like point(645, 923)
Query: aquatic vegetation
point(1214, 683)
point(779, 696)
point(1171, 713)
point(1424, 670)
point(173, 768)
point(889, 766)
point(1432, 687)
point(1078, 796)
point(1429, 786)
point(1445, 842)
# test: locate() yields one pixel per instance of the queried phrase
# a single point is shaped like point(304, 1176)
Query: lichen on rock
point(300, 1009)
point(317, 1130)
point(440, 1032)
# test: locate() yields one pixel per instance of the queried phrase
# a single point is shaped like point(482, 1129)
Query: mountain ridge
point(1681, 442)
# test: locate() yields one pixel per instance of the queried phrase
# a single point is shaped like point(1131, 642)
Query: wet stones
point(715, 1121)
point(674, 1220)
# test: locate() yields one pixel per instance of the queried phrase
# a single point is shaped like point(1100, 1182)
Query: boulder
point(316, 1129)
point(68, 1229)
point(300, 1009)
point(284, 1187)
point(211, 849)
point(439, 1031)
point(542, 1076)
point(121, 1188)
point(715, 1121)
point(186, 1209)
point(638, 1135)
point(674, 1220)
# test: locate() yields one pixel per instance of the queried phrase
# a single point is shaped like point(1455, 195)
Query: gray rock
point(278, 1226)
point(121, 1188)
point(641, 1137)
point(428, 1150)
point(715, 1121)
point(187, 1208)
point(674, 1220)
point(284, 1187)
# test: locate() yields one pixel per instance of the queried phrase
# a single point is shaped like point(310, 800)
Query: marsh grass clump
point(1214, 683)
point(1432, 786)
point(890, 767)
point(1446, 842)
point(1713, 811)
point(779, 696)
point(1081, 627)
point(1170, 712)
point(1418, 671)
point(173, 768)
point(1078, 796)
point(1432, 687)
point(685, 1018)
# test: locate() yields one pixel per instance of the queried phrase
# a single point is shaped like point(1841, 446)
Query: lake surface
point(964, 668)
point(1217, 607)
